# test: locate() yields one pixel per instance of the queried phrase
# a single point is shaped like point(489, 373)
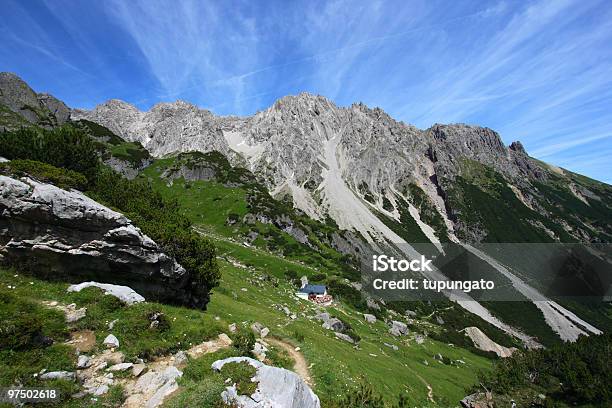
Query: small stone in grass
point(84, 361)
point(111, 341)
point(120, 367)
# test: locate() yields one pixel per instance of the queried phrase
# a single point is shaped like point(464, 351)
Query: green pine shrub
point(46, 173)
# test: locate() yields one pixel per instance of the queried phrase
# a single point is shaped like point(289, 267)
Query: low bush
point(318, 277)
point(241, 374)
point(575, 373)
point(299, 335)
point(280, 358)
point(44, 172)
point(365, 397)
point(243, 341)
point(347, 293)
point(158, 320)
point(202, 387)
point(64, 147)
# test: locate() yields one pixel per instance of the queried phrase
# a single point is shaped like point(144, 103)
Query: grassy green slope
point(22, 315)
point(209, 204)
point(218, 206)
point(483, 201)
point(337, 365)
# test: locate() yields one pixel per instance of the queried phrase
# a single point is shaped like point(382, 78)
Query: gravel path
point(300, 366)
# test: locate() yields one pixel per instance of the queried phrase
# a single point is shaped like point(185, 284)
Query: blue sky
point(539, 71)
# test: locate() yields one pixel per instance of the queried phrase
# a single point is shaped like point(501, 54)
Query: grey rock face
point(100, 390)
point(120, 367)
point(166, 128)
point(69, 234)
point(372, 304)
point(334, 324)
point(345, 337)
point(138, 369)
point(41, 109)
point(478, 400)
point(259, 350)
point(73, 314)
point(392, 346)
point(57, 108)
point(276, 387)
point(323, 316)
point(191, 173)
point(257, 328)
point(483, 342)
point(453, 143)
point(180, 358)
point(83, 361)
point(127, 169)
point(517, 146)
point(18, 96)
point(153, 386)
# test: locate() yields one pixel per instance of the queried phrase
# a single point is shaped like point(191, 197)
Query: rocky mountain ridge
point(167, 128)
point(292, 146)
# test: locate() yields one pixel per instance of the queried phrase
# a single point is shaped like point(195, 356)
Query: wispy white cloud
point(189, 44)
point(557, 147)
point(45, 51)
point(537, 70)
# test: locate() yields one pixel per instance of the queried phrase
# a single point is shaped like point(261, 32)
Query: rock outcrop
point(478, 400)
point(398, 328)
point(483, 342)
point(39, 109)
point(57, 108)
point(276, 387)
point(330, 323)
point(55, 232)
point(370, 318)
